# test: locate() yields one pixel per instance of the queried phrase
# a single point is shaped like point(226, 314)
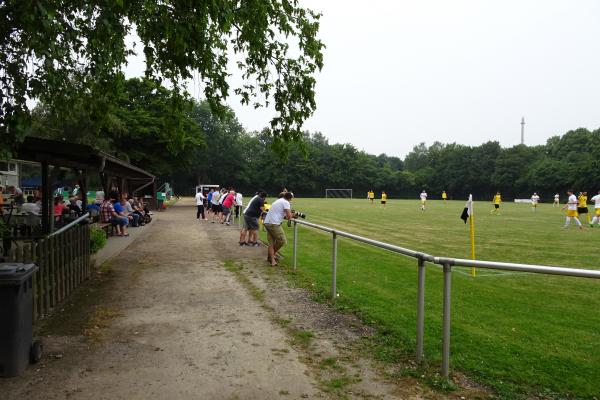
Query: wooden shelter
point(83, 160)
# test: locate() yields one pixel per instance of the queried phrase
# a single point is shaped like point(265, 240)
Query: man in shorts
point(497, 200)
point(535, 199)
point(571, 207)
point(280, 209)
point(215, 206)
point(596, 201)
point(423, 197)
point(251, 214)
point(383, 199)
point(582, 205)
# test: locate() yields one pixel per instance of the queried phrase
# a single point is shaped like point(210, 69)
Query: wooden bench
point(108, 227)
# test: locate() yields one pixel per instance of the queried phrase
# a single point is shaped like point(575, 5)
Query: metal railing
point(447, 263)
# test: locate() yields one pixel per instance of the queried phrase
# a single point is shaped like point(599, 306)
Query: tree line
point(195, 145)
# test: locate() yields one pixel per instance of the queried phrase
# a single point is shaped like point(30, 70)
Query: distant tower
point(522, 130)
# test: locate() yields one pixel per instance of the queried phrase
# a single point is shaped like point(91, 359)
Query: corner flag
point(467, 214)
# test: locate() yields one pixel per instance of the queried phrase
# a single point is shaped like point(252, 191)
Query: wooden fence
point(64, 263)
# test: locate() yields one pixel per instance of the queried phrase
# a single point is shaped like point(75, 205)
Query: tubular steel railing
point(447, 264)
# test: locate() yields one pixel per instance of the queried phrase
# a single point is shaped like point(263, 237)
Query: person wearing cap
point(280, 209)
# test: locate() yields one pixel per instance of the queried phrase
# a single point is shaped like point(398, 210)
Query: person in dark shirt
point(251, 215)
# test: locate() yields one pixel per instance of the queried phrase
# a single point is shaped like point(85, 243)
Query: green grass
point(521, 334)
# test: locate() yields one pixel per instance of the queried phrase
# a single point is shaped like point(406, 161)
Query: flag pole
point(472, 229)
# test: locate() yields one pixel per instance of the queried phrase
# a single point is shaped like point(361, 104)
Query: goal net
point(338, 193)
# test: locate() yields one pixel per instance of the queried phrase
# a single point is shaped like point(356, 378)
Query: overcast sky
point(398, 73)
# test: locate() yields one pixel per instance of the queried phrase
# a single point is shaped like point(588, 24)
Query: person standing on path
point(215, 206)
point(280, 209)
point(200, 204)
point(251, 214)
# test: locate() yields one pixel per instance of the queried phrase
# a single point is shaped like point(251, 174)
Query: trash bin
point(16, 319)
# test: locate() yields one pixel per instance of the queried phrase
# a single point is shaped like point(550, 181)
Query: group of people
point(120, 211)
point(221, 203)
point(577, 205)
point(371, 197)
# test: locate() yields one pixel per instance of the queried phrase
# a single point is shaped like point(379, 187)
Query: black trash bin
point(16, 318)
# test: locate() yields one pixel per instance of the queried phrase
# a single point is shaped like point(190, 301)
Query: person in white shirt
point(596, 201)
point(556, 200)
point(30, 207)
point(239, 203)
point(280, 209)
point(200, 204)
point(535, 199)
point(423, 200)
point(571, 207)
point(216, 207)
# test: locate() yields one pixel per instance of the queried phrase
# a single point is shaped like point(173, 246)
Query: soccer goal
point(338, 193)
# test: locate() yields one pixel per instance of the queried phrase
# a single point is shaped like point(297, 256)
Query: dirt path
point(184, 313)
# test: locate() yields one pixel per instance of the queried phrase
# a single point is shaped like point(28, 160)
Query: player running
point(582, 205)
point(556, 200)
point(383, 199)
point(423, 199)
point(571, 207)
point(496, 200)
point(444, 196)
point(535, 199)
point(596, 201)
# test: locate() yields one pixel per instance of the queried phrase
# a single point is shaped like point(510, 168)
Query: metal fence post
point(420, 309)
point(334, 267)
point(446, 322)
point(295, 256)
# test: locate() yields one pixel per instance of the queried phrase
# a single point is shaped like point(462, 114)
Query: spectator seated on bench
point(109, 214)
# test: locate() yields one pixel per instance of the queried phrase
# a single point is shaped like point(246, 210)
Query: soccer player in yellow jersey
point(497, 200)
point(582, 205)
point(371, 196)
point(444, 196)
point(383, 199)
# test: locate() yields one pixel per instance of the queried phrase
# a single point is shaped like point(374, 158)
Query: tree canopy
point(59, 51)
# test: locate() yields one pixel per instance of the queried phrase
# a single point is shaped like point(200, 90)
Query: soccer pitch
point(519, 333)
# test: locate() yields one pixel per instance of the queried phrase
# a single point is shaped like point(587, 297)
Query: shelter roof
point(79, 156)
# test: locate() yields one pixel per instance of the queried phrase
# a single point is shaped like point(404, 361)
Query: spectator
point(280, 209)
point(251, 214)
point(1, 199)
point(16, 194)
point(130, 213)
point(216, 207)
point(108, 214)
point(59, 205)
point(73, 206)
point(239, 203)
point(139, 210)
point(209, 198)
point(228, 202)
point(200, 204)
point(30, 207)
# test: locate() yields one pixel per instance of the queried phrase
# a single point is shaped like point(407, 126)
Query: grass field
point(521, 334)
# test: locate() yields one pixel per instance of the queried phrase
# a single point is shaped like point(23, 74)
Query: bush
point(97, 238)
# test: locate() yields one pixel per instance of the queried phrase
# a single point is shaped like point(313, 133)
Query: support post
point(334, 267)
point(295, 248)
point(420, 309)
point(446, 321)
point(45, 199)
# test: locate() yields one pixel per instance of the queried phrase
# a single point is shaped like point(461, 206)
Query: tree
point(56, 51)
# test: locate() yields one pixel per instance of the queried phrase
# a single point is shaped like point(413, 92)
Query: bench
point(108, 227)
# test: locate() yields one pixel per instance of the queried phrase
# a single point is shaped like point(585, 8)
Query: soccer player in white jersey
point(596, 201)
point(571, 207)
point(423, 200)
point(556, 200)
point(535, 199)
